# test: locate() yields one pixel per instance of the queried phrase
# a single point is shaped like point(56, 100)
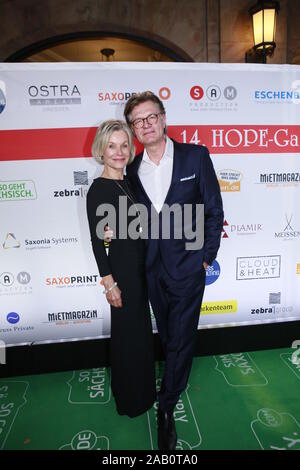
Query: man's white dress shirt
point(156, 179)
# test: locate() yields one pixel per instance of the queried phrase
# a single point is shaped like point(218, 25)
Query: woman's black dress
point(131, 352)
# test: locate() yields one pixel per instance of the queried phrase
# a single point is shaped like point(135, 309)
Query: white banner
point(246, 114)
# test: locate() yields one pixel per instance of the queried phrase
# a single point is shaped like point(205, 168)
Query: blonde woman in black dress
point(123, 274)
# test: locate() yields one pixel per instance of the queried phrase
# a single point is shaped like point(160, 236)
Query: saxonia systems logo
point(47, 242)
point(11, 241)
point(54, 94)
point(258, 267)
point(279, 179)
point(80, 179)
point(229, 180)
point(17, 190)
point(288, 233)
point(2, 96)
point(240, 229)
point(213, 98)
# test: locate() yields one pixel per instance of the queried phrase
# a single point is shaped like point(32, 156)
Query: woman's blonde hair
point(102, 137)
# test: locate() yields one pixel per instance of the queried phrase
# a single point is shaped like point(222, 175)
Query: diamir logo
point(224, 233)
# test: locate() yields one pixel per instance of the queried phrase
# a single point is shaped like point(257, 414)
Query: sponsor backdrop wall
point(249, 118)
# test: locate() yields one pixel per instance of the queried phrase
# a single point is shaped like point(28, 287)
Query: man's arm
point(213, 208)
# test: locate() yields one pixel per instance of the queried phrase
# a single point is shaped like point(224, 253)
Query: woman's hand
point(113, 297)
point(108, 234)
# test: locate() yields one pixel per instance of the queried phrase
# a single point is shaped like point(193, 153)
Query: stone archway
point(162, 49)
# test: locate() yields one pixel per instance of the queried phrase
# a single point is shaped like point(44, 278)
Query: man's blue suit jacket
point(193, 182)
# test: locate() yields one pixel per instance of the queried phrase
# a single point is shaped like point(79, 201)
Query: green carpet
point(235, 401)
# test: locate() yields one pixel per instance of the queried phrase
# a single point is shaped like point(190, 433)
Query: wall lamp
point(264, 15)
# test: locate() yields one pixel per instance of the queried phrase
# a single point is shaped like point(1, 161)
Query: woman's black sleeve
point(92, 202)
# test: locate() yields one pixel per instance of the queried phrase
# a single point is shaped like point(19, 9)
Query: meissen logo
point(258, 267)
point(288, 233)
point(54, 95)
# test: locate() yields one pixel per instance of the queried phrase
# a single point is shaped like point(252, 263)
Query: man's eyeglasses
point(151, 119)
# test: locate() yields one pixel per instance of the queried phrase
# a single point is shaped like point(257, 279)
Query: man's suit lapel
point(178, 171)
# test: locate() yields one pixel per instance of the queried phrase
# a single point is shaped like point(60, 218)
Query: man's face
point(149, 134)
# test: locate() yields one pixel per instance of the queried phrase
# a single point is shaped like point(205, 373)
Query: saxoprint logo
point(164, 93)
point(54, 95)
point(70, 281)
point(114, 97)
point(2, 96)
point(212, 273)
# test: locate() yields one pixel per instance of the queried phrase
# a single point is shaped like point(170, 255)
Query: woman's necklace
point(128, 193)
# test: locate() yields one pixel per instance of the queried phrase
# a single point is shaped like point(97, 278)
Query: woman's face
point(117, 152)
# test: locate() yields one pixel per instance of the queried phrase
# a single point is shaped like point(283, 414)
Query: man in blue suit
point(168, 172)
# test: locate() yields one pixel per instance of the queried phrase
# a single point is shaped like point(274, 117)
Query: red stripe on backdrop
point(34, 144)
point(76, 142)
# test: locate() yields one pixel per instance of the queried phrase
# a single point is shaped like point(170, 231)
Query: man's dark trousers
point(176, 306)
